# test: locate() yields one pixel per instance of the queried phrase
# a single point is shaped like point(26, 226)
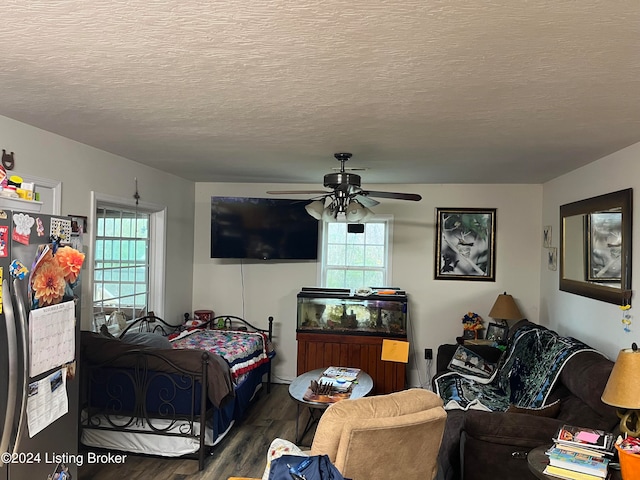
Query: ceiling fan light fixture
point(315, 209)
point(329, 215)
point(346, 200)
point(356, 212)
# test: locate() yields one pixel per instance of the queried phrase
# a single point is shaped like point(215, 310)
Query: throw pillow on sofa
point(469, 364)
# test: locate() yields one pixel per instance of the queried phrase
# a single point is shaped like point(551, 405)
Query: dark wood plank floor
point(242, 453)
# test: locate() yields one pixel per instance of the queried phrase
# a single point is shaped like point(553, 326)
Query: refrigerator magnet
point(18, 270)
point(71, 370)
point(4, 236)
point(39, 227)
point(61, 228)
point(23, 223)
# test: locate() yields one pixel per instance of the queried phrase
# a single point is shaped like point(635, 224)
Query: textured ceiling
point(433, 91)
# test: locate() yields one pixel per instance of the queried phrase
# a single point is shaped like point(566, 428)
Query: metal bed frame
point(116, 413)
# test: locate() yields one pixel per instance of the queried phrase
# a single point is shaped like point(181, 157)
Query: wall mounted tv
point(264, 228)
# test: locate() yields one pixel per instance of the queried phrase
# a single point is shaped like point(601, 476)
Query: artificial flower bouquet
point(55, 275)
point(472, 323)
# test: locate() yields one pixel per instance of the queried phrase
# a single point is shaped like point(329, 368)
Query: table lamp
point(623, 389)
point(505, 309)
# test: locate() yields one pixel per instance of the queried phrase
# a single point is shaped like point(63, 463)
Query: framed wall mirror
point(595, 247)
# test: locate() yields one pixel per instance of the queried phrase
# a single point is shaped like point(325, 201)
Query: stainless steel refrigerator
point(23, 237)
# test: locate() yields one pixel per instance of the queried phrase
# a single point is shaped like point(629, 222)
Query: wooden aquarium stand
point(321, 350)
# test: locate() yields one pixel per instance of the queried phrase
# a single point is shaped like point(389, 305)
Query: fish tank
point(372, 312)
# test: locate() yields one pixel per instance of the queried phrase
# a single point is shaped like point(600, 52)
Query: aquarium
point(338, 311)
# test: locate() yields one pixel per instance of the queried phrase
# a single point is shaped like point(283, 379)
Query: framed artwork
point(78, 224)
point(552, 258)
point(546, 236)
point(469, 334)
point(465, 244)
point(496, 332)
point(604, 246)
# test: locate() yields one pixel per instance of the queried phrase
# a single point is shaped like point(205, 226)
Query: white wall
point(594, 322)
point(257, 289)
point(82, 169)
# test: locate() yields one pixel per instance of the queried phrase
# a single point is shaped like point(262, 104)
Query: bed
point(152, 388)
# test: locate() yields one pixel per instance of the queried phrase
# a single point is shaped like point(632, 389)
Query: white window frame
point(157, 244)
point(322, 270)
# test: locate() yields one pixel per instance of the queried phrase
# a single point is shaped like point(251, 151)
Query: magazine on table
point(585, 450)
point(339, 383)
point(346, 373)
point(584, 437)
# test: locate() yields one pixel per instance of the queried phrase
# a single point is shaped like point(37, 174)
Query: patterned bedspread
point(535, 357)
point(243, 351)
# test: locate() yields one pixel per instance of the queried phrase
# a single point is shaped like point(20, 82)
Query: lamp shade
point(623, 386)
point(505, 308)
point(315, 209)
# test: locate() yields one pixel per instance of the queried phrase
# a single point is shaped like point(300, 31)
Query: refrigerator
point(33, 387)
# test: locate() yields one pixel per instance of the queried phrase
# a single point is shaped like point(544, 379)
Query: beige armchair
point(382, 437)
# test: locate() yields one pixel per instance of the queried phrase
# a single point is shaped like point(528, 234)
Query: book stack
point(580, 453)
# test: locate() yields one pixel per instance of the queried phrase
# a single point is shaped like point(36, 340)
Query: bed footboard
point(142, 391)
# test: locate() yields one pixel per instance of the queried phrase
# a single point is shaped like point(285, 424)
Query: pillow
point(278, 448)
point(469, 364)
point(550, 411)
point(147, 339)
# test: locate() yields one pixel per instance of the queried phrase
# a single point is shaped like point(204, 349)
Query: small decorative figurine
point(626, 317)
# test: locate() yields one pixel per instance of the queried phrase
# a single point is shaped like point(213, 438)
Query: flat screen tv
point(264, 228)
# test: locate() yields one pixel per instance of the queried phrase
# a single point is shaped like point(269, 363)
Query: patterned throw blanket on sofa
point(529, 370)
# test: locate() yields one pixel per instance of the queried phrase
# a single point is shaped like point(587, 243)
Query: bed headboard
point(232, 322)
point(150, 324)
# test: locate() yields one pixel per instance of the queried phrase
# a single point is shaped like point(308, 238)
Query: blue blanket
point(530, 367)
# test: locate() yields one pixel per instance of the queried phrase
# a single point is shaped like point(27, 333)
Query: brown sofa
point(480, 445)
point(383, 437)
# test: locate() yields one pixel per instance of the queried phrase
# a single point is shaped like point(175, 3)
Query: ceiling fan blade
point(366, 201)
point(399, 196)
point(298, 192)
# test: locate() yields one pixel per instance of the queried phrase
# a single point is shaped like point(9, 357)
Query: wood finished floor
point(242, 453)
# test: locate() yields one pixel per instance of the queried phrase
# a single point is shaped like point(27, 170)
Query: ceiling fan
point(346, 195)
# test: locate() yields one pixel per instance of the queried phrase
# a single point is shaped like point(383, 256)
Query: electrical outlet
point(428, 354)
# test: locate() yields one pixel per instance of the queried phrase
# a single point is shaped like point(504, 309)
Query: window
point(354, 260)
point(128, 252)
